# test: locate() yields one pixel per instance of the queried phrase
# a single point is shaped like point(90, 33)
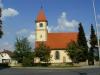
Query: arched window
point(57, 55)
point(41, 25)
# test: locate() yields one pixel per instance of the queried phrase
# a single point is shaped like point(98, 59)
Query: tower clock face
point(41, 24)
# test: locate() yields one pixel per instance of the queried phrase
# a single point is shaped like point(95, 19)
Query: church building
point(56, 41)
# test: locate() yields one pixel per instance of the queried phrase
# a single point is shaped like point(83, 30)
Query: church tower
point(41, 27)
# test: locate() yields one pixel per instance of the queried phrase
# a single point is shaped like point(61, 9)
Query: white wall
point(63, 57)
point(4, 56)
point(38, 25)
point(0, 58)
point(41, 32)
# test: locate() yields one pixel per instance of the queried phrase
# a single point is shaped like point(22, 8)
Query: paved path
point(44, 71)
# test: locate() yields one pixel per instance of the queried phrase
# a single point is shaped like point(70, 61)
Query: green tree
point(93, 37)
point(23, 52)
point(43, 52)
point(29, 60)
point(1, 32)
point(82, 42)
point(93, 43)
point(74, 52)
point(91, 56)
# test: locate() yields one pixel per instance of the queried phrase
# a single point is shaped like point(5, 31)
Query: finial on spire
point(41, 5)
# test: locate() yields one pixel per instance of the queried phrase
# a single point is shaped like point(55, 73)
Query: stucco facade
point(41, 31)
point(63, 57)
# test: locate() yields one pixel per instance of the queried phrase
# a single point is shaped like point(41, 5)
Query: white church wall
point(44, 25)
point(64, 58)
point(41, 36)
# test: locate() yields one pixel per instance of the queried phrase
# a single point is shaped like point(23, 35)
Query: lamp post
point(96, 23)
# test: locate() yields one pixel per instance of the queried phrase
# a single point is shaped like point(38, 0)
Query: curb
point(85, 67)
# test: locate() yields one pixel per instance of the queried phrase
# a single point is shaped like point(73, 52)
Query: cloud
point(99, 34)
point(88, 43)
point(22, 32)
point(9, 12)
point(10, 46)
point(6, 46)
point(98, 30)
point(98, 26)
point(98, 16)
point(64, 24)
point(1, 5)
point(49, 28)
point(31, 37)
point(26, 33)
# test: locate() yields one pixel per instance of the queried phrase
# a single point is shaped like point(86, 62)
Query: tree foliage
point(43, 52)
point(23, 51)
point(75, 52)
point(93, 37)
point(82, 42)
point(1, 32)
point(91, 56)
point(93, 43)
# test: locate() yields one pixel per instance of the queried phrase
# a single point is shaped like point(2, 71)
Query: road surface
point(33, 71)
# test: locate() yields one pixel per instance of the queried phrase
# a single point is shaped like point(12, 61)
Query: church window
point(57, 55)
point(41, 25)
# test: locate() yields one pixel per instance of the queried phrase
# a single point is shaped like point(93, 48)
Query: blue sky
point(62, 15)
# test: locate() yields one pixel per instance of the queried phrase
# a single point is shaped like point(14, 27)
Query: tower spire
point(41, 15)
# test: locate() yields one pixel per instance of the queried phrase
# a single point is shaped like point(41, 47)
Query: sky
point(63, 16)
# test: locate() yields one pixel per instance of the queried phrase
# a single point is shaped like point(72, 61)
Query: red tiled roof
point(60, 40)
point(41, 16)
